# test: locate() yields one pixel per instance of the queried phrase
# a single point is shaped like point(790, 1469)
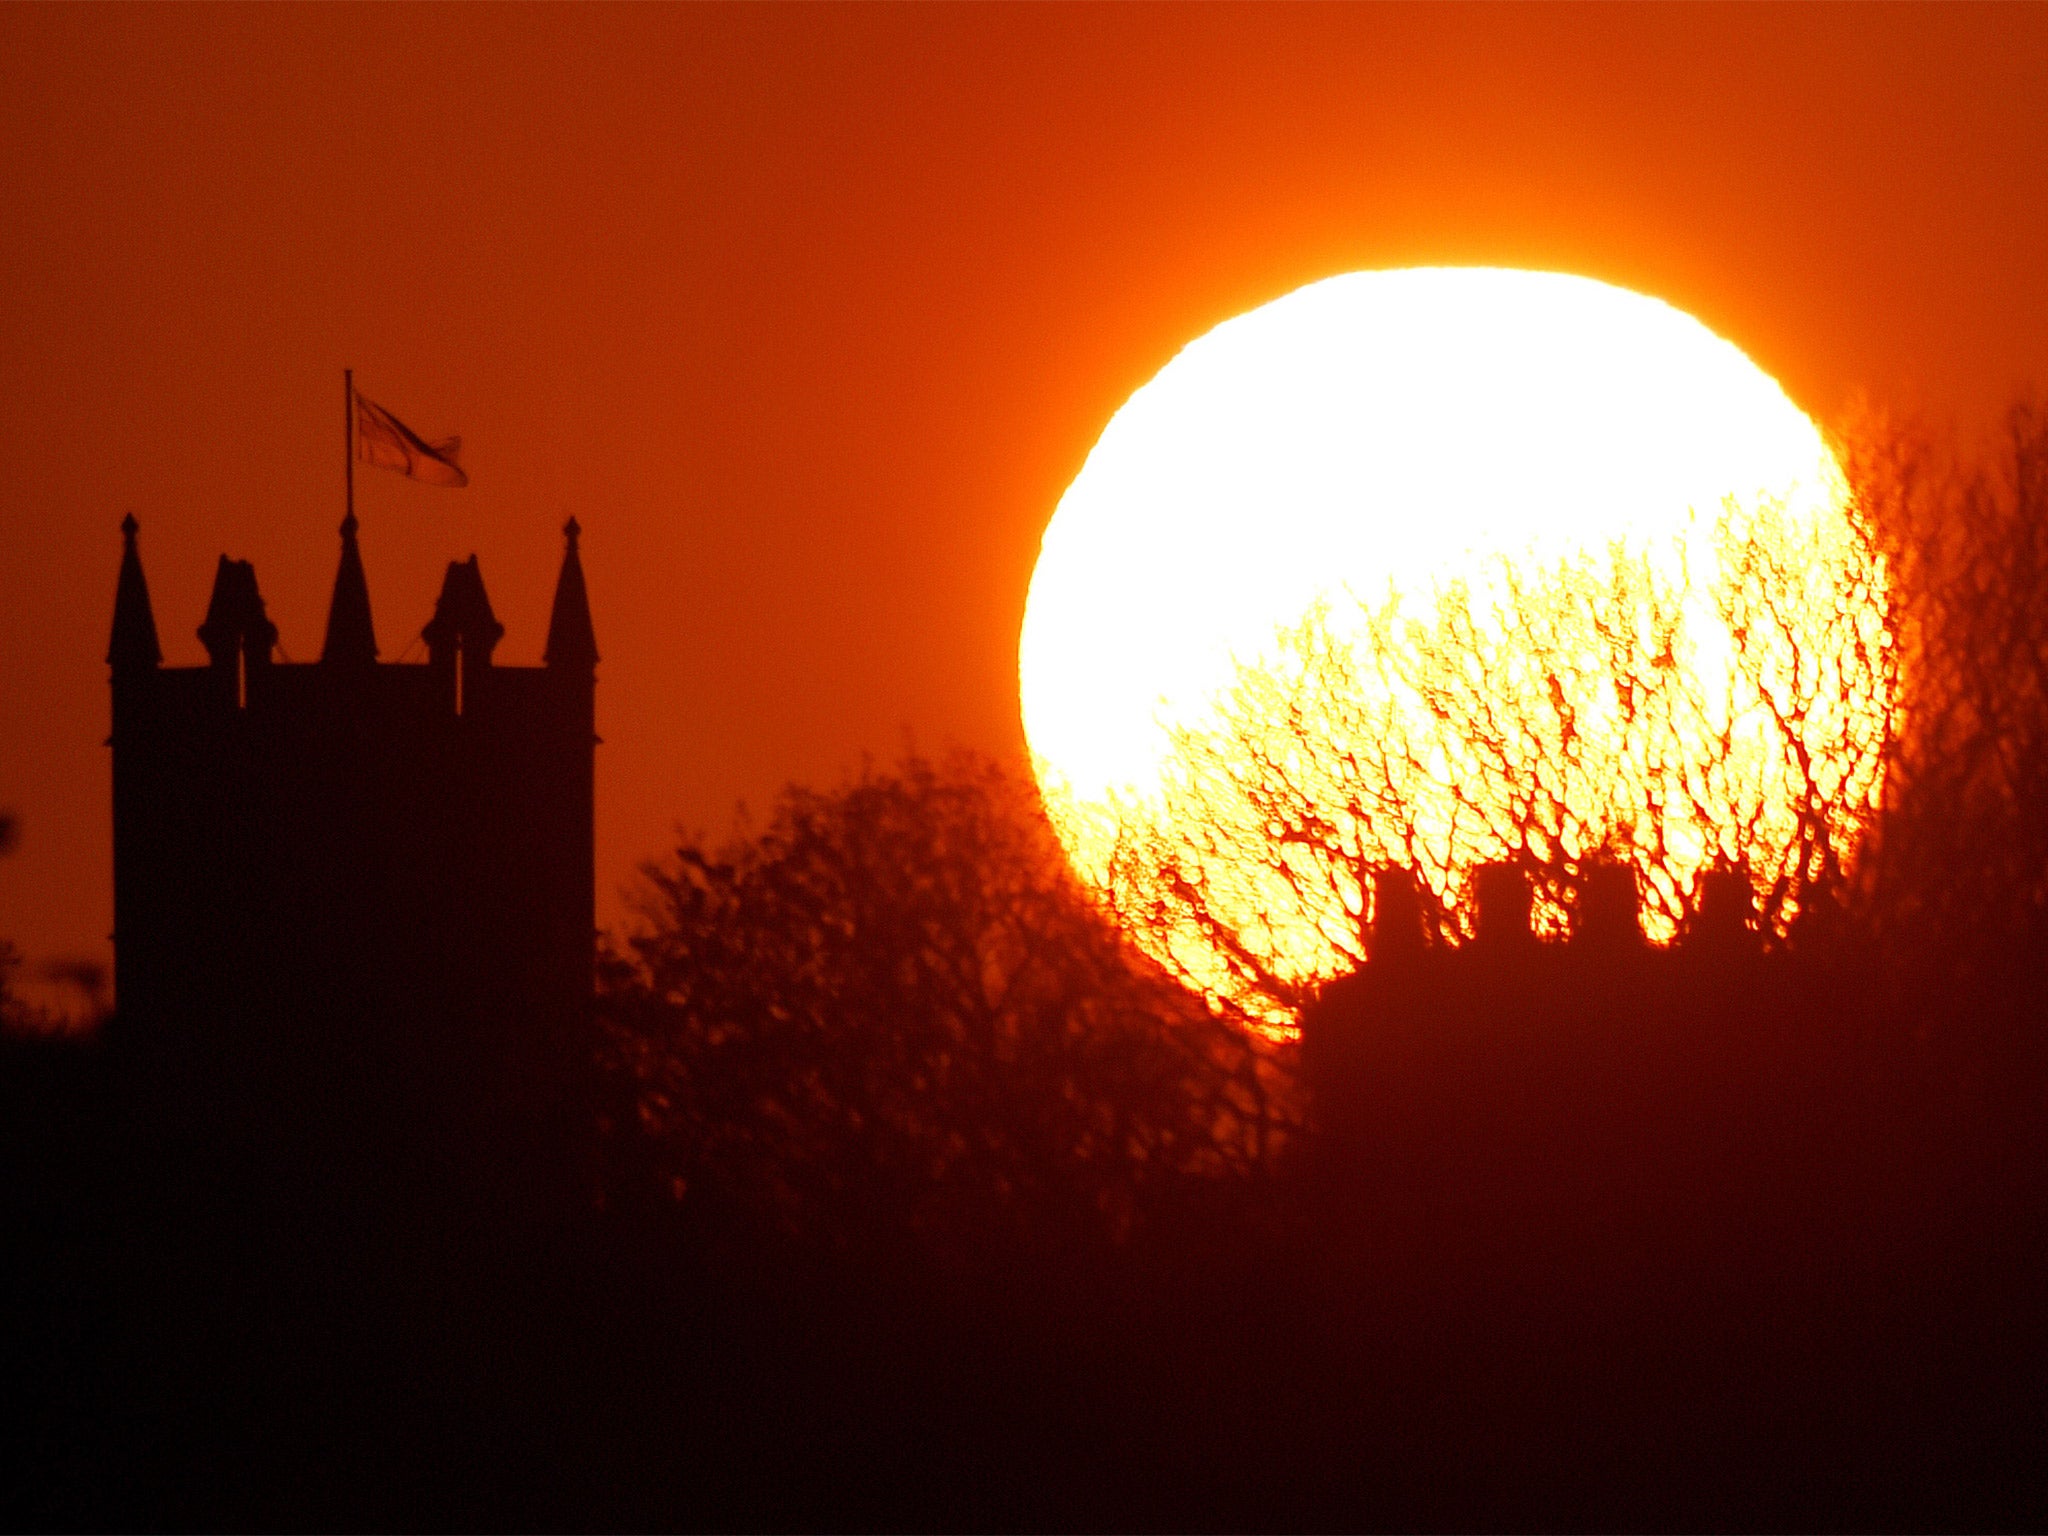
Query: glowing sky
point(810, 315)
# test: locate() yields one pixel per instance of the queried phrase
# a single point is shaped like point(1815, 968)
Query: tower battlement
point(368, 885)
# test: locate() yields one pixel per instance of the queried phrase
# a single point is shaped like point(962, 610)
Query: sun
point(1382, 452)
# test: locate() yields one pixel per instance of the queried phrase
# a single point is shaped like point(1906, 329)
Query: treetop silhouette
point(894, 1002)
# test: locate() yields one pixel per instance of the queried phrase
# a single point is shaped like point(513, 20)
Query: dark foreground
point(1819, 1307)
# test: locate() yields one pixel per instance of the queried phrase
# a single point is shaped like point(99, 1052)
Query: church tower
point(353, 893)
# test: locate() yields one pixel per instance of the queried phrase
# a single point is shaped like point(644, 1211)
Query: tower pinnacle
point(351, 638)
point(462, 616)
point(572, 642)
point(133, 643)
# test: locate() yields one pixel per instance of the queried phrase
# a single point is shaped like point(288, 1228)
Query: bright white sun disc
point(1377, 431)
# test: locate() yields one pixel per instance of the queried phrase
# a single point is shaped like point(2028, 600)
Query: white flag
point(382, 439)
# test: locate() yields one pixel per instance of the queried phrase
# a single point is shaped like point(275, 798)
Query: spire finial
point(571, 640)
point(351, 637)
point(133, 643)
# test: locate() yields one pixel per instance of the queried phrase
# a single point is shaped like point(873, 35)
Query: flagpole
point(348, 436)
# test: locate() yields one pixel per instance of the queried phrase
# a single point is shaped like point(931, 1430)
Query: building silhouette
point(353, 896)
point(1524, 1100)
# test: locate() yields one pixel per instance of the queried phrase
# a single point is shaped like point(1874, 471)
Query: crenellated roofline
point(238, 630)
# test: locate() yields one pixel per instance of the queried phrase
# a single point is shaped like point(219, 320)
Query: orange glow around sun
point(1440, 566)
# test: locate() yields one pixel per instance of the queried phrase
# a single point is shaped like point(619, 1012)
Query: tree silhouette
point(11, 1014)
point(14, 1013)
point(895, 1006)
point(1959, 876)
point(1561, 719)
point(86, 978)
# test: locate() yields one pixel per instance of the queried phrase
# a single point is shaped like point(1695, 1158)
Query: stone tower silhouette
point(351, 893)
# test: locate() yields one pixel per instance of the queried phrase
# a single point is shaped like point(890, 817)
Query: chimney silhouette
point(1608, 915)
point(1726, 915)
point(1396, 933)
point(1500, 892)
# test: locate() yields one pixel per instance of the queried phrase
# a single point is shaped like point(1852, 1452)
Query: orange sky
point(809, 315)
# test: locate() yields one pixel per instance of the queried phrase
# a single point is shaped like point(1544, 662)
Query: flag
point(382, 439)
